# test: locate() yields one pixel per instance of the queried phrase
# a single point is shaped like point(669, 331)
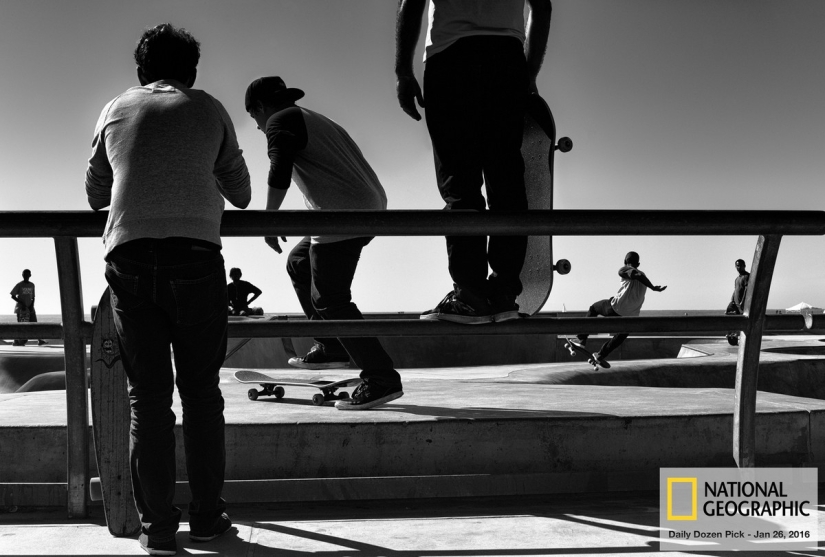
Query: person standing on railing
point(626, 303)
point(23, 294)
point(332, 173)
point(164, 156)
point(740, 288)
point(480, 66)
point(238, 292)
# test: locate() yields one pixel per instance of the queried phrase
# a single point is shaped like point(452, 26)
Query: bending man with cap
point(332, 173)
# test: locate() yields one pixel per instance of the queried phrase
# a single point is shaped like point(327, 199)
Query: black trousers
point(475, 93)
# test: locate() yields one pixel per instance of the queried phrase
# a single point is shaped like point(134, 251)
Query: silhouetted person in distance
point(23, 294)
point(481, 63)
point(626, 303)
point(164, 156)
point(238, 292)
point(740, 289)
point(332, 173)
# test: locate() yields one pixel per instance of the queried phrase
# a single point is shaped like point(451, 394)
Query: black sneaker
point(318, 358)
point(369, 394)
point(155, 547)
point(458, 311)
point(219, 528)
point(505, 308)
point(578, 342)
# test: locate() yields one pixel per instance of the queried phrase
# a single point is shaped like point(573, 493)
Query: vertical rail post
point(74, 346)
point(750, 343)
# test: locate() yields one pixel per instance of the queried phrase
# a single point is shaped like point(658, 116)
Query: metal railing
point(769, 226)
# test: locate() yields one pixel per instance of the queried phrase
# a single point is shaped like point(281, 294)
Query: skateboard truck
point(562, 266)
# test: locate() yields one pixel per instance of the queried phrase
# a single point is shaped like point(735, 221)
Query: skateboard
point(274, 386)
point(110, 425)
point(537, 149)
point(573, 348)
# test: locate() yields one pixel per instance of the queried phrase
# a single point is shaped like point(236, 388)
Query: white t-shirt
point(450, 20)
point(628, 301)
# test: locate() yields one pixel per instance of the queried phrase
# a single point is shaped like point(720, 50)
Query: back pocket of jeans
point(124, 289)
point(199, 300)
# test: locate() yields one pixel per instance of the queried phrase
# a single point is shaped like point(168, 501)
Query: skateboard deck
point(538, 146)
point(274, 386)
point(574, 348)
point(110, 425)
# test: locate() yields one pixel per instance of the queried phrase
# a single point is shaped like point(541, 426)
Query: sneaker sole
point(297, 362)
point(348, 405)
point(201, 539)
point(506, 316)
point(464, 319)
point(158, 551)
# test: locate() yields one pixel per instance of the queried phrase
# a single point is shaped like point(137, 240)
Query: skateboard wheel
point(252, 394)
point(565, 144)
point(95, 489)
point(318, 400)
point(278, 392)
point(572, 352)
point(343, 395)
point(562, 266)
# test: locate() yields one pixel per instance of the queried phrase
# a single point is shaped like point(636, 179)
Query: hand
point(409, 92)
point(659, 288)
point(272, 241)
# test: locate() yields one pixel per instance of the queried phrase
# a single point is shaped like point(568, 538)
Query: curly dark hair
point(167, 52)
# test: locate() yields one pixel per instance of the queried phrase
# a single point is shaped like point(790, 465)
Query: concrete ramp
point(19, 364)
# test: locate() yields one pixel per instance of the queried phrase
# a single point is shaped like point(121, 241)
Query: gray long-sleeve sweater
point(164, 156)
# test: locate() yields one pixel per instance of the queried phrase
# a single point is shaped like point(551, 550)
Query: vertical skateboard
point(538, 146)
point(110, 425)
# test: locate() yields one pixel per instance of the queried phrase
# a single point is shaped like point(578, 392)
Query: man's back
point(158, 151)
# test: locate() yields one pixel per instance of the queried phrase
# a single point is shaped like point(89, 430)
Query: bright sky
point(706, 104)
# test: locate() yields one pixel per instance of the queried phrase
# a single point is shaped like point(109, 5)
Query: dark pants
point(169, 292)
point(322, 277)
point(604, 309)
point(476, 93)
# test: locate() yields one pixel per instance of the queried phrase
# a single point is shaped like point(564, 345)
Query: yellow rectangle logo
point(693, 495)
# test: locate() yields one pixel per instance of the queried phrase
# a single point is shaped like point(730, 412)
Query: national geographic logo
point(738, 509)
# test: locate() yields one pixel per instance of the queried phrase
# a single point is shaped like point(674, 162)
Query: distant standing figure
point(165, 156)
point(238, 292)
point(481, 63)
point(23, 294)
point(740, 289)
point(626, 303)
point(332, 173)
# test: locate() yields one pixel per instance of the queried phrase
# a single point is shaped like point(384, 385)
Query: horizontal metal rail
point(50, 224)
point(537, 325)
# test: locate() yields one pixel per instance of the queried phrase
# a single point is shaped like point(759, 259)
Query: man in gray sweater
point(164, 157)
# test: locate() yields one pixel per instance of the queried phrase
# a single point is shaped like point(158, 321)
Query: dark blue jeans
point(476, 95)
point(172, 292)
point(603, 308)
point(322, 277)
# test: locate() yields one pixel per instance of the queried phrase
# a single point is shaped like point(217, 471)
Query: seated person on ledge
point(238, 292)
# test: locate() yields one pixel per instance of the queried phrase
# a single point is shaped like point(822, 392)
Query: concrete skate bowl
point(21, 365)
point(795, 369)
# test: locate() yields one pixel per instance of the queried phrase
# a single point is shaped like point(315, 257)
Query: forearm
point(274, 198)
point(407, 30)
point(536, 35)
